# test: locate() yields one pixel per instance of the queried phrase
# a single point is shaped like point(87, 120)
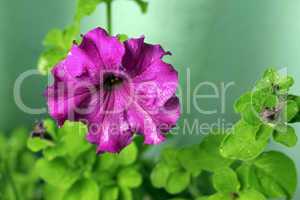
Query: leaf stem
point(109, 15)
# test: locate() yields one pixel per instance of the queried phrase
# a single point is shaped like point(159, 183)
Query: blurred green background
point(219, 41)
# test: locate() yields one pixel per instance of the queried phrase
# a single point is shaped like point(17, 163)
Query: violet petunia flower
point(117, 89)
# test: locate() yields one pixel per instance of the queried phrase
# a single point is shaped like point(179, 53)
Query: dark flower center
point(111, 81)
point(40, 131)
point(270, 114)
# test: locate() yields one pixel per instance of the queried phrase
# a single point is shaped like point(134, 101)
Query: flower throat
point(111, 81)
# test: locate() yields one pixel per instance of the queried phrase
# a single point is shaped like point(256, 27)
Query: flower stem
point(109, 16)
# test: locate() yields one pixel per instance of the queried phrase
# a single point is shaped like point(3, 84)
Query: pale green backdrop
point(218, 40)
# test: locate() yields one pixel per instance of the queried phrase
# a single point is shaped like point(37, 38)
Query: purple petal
point(168, 115)
point(105, 51)
point(65, 101)
point(149, 72)
point(111, 129)
point(144, 123)
point(139, 55)
point(71, 86)
point(73, 66)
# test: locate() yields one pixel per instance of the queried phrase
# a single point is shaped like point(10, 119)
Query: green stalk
point(109, 16)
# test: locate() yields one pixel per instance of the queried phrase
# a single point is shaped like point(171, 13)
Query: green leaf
point(286, 137)
point(178, 182)
point(252, 178)
point(86, 162)
point(290, 110)
point(247, 176)
point(70, 34)
point(122, 37)
point(49, 58)
point(243, 172)
point(251, 195)
point(18, 139)
point(85, 8)
point(50, 128)
point(128, 155)
point(275, 83)
point(55, 151)
point(169, 156)
point(202, 198)
point(297, 100)
point(246, 142)
point(108, 162)
point(130, 178)
point(36, 144)
point(54, 38)
point(126, 194)
point(188, 160)
point(271, 101)
point(225, 181)
point(57, 44)
point(57, 172)
point(274, 172)
point(16, 166)
point(177, 199)
point(143, 5)
point(160, 175)
point(250, 115)
point(73, 138)
point(280, 170)
point(285, 83)
point(82, 190)
point(271, 75)
point(110, 193)
point(106, 178)
point(263, 99)
point(270, 78)
point(51, 192)
point(243, 102)
point(268, 186)
point(209, 157)
point(245, 195)
point(217, 196)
